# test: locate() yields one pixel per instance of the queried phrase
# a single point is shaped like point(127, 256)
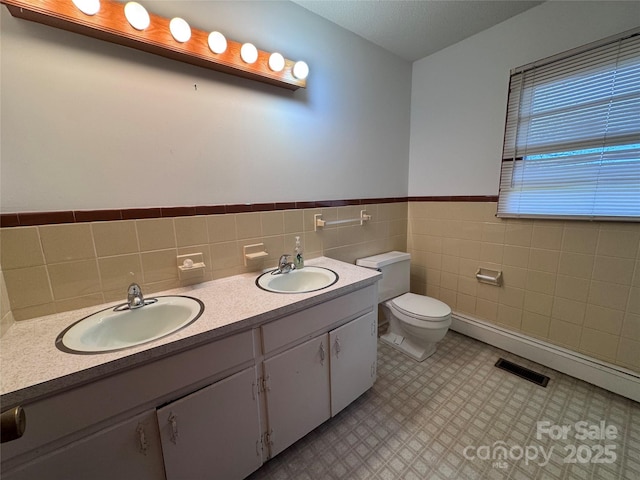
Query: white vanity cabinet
point(296, 392)
point(72, 430)
point(307, 383)
point(130, 449)
point(353, 362)
point(214, 432)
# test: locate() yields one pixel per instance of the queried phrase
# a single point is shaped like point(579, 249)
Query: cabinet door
point(214, 432)
point(353, 360)
point(130, 449)
point(297, 392)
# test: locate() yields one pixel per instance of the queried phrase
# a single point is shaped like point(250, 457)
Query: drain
point(522, 372)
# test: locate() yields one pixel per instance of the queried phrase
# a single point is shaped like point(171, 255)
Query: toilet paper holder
point(490, 277)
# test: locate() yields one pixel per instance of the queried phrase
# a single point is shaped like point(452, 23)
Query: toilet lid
point(421, 306)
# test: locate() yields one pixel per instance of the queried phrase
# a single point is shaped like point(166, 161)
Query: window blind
point(572, 136)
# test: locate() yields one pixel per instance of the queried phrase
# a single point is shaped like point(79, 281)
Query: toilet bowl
point(416, 322)
point(417, 329)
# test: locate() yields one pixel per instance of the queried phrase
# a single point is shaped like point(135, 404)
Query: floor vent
point(523, 372)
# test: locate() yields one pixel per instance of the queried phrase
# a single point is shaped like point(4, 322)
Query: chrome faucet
point(284, 265)
point(135, 298)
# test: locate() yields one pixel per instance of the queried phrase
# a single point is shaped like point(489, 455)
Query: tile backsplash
point(574, 284)
point(55, 268)
point(6, 316)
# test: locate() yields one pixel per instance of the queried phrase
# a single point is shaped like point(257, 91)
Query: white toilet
point(416, 322)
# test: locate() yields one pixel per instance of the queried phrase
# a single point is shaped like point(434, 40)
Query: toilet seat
point(421, 308)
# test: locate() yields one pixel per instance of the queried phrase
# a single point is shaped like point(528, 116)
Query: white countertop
point(32, 367)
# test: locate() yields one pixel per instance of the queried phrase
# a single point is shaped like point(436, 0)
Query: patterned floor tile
point(456, 416)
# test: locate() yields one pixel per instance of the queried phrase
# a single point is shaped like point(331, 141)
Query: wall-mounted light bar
point(131, 25)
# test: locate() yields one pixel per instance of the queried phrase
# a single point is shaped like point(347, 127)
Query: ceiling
point(413, 29)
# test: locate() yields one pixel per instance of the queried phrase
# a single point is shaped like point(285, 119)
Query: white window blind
point(572, 137)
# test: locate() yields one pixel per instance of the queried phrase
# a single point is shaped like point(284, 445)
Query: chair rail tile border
point(25, 219)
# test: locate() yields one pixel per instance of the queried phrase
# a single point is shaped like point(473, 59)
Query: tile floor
point(448, 417)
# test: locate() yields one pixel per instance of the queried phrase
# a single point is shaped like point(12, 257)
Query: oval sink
point(307, 279)
point(109, 329)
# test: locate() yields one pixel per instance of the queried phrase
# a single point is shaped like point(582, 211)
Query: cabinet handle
point(142, 438)
point(13, 423)
point(174, 428)
point(338, 346)
point(321, 353)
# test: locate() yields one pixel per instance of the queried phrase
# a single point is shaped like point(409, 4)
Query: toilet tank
point(395, 268)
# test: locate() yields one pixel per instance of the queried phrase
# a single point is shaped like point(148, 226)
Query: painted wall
point(459, 95)
point(91, 125)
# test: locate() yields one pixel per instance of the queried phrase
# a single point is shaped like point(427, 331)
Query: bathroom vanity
point(253, 375)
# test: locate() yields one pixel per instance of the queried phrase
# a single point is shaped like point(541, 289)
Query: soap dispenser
point(298, 261)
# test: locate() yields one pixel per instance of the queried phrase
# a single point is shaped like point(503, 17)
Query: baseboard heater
point(522, 372)
point(605, 375)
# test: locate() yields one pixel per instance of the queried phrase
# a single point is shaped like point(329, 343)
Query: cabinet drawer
point(305, 324)
point(60, 415)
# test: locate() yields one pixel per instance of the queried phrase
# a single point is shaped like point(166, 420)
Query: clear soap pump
point(298, 260)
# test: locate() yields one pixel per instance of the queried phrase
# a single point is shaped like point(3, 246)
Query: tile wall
point(6, 316)
point(573, 284)
point(55, 268)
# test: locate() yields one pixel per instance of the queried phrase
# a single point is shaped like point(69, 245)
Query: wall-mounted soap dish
point(190, 265)
point(254, 251)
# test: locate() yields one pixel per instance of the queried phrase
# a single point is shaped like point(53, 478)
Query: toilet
point(416, 322)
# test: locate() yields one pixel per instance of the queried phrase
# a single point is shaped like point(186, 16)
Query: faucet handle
point(134, 289)
point(284, 266)
point(135, 298)
point(284, 259)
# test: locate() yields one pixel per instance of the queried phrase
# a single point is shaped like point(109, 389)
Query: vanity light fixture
point(301, 70)
point(137, 15)
point(180, 29)
point(111, 20)
point(217, 42)
point(276, 62)
point(88, 7)
point(249, 53)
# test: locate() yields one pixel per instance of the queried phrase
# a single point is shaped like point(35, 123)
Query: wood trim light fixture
point(131, 25)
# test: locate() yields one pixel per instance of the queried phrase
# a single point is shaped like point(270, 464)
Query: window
point(572, 137)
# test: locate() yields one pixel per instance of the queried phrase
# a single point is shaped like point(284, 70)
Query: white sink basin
point(307, 279)
point(109, 329)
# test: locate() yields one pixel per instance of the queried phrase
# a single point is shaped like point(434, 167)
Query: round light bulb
point(137, 15)
point(276, 62)
point(301, 70)
point(249, 53)
point(180, 29)
point(88, 7)
point(217, 42)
